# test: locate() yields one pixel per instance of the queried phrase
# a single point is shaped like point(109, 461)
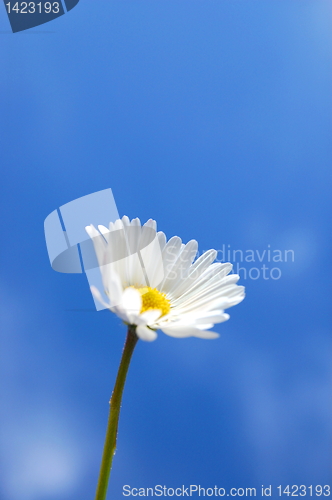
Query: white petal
point(92, 231)
point(162, 239)
point(204, 326)
point(189, 331)
point(235, 300)
point(207, 334)
point(185, 331)
point(151, 223)
point(181, 267)
point(206, 305)
point(133, 234)
point(149, 317)
point(131, 301)
point(115, 290)
point(104, 230)
point(99, 243)
point(125, 220)
point(211, 317)
point(118, 224)
point(178, 332)
point(148, 232)
point(122, 314)
point(136, 222)
point(212, 276)
point(214, 285)
point(96, 293)
point(196, 270)
point(218, 291)
point(117, 253)
point(153, 262)
point(145, 333)
point(170, 254)
point(135, 271)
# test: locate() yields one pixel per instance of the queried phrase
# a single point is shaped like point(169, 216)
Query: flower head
point(157, 284)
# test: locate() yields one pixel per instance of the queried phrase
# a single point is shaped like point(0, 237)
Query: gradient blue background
point(214, 118)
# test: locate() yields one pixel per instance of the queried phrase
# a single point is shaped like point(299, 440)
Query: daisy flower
point(155, 284)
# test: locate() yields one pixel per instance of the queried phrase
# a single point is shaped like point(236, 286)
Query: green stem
point(113, 418)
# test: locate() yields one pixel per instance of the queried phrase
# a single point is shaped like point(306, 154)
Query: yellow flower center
point(153, 299)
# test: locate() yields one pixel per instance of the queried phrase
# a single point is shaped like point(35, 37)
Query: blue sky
point(214, 118)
